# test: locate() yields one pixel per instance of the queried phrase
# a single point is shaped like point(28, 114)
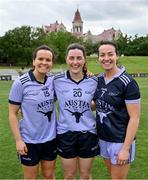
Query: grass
point(10, 168)
point(133, 64)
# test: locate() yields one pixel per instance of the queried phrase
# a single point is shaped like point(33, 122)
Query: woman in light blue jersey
point(76, 125)
point(35, 133)
point(118, 112)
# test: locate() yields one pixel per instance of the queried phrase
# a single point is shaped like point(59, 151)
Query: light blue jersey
point(36, 99)
point(74, 103)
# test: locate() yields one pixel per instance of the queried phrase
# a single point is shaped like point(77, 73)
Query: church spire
point(77, 24)
point(77, 17)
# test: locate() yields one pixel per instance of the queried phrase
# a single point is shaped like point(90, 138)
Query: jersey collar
point(121, 71)
point(69, 77)
point(32, 77)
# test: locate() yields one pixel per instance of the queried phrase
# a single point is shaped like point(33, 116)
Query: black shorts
point(82, 144)
point(42, 151)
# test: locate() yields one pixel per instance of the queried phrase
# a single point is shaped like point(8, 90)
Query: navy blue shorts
point(42, 151)
point(77, 144)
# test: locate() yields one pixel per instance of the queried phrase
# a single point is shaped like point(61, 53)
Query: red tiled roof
point(54, 27)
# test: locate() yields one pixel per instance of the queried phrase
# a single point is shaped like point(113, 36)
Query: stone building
point(77, 29)
point(55, 27)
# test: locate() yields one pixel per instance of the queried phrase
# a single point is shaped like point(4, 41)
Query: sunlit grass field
point(133, 64)
point(10, 167)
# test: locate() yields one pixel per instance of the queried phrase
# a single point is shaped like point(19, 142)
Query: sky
point(130, 16)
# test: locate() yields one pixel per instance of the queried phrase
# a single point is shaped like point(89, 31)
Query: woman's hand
point(123, 157)
point(21, 147)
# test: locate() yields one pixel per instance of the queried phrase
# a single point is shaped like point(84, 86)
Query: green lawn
point(133, 64)
point(11, 169)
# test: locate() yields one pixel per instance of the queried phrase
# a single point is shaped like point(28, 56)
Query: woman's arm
point(134, 115)
point(13, 120)
point(93, 105)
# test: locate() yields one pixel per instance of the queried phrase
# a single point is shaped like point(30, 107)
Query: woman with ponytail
point(76, 125)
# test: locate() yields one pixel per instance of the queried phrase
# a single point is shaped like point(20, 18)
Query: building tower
point(77, 24)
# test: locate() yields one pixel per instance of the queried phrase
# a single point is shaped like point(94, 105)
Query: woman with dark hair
point(117, 111)
point(35, 133)
point(76, 125)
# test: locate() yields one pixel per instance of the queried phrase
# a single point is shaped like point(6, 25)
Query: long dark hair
point(82, 48)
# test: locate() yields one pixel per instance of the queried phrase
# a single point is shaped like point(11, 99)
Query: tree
point(15, 44)
point(89, 47)
point(140, 45)
point(122, 43)
point(133, 46)
point(59, 42)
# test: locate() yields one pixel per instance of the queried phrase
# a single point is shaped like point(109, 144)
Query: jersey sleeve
point(132, 94)
point(16, 93)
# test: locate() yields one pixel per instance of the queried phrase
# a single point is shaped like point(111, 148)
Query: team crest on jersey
point(76, 108)
point(46, 108)
point(103, 108)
